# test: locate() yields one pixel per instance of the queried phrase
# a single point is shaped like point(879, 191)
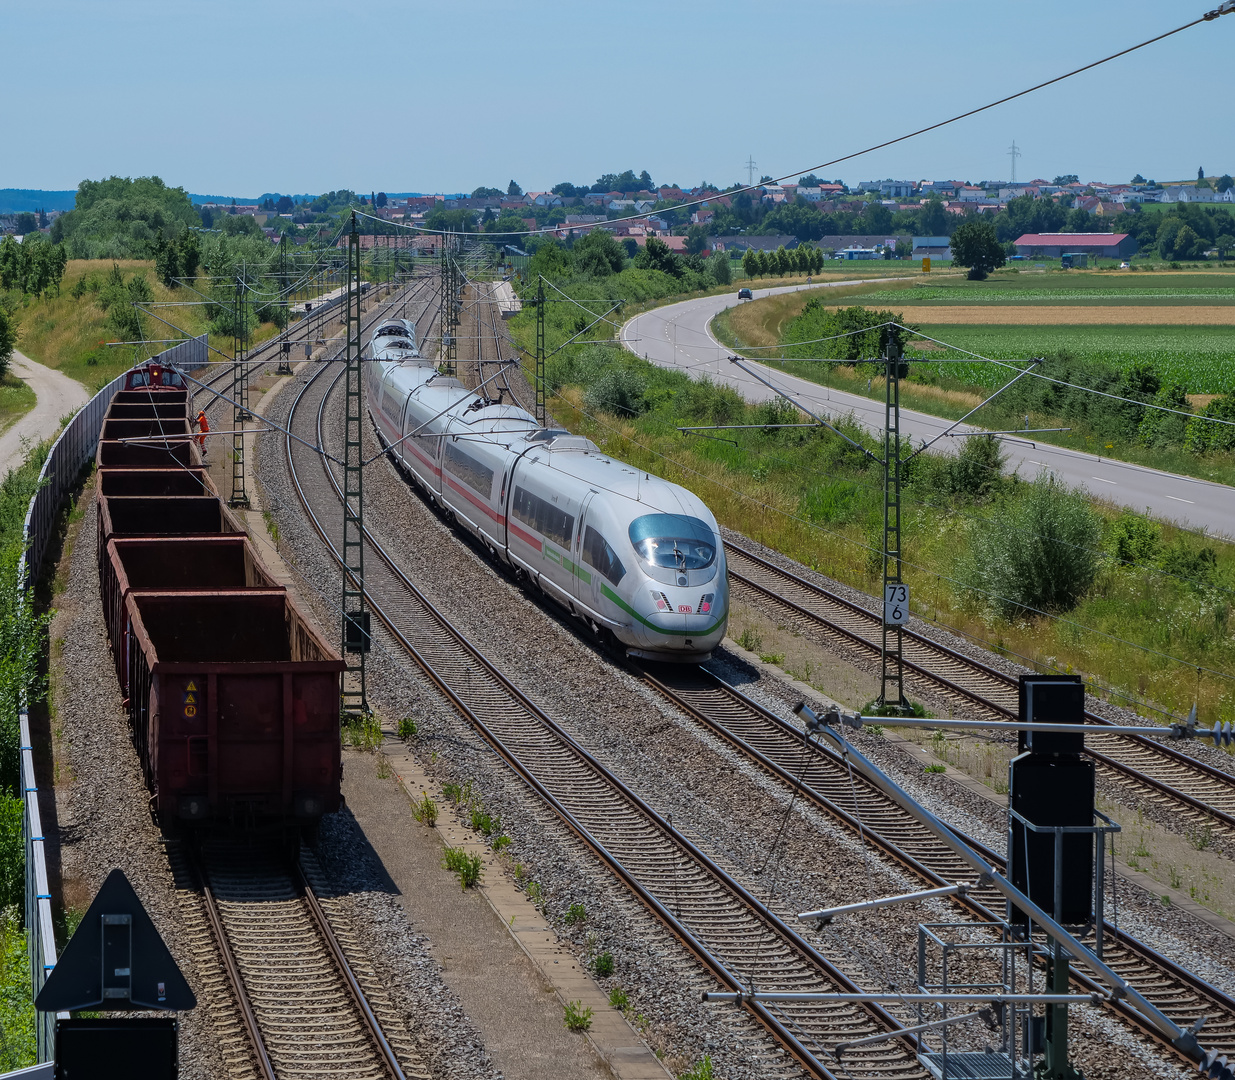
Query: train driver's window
point(597, 553)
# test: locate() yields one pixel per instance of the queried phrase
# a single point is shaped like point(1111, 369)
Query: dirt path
point(58, 396)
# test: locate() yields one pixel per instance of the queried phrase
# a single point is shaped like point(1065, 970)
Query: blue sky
point(250, 97)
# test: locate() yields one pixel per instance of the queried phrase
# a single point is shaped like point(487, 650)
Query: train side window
point(468, 469)
point(543, 516)
point(597, 553)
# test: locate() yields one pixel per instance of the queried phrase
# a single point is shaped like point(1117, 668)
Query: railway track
point(778, 747)
point(306, 1008)
point(1198, 795)
point(292, 992)
point(725, 927)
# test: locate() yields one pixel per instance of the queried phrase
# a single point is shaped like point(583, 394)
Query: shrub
point(707, 402)
point(466, 866)
point(619, 999)
point(17, 1045)
point(773, 412)
point(1205, 437)
point(484, 822)
point(1036, 552)
point(700, 1070)
point(619, 390)
point(976, 471)
point(575, 914)
point(1197, 565)
point(424, 810)
point(576, 1017)
point(604, 965)
point(1134, 539)
point(407, 728)
point(1159, 429)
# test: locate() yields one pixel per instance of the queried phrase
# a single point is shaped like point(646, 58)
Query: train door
point(587, 581)
point(597, 565)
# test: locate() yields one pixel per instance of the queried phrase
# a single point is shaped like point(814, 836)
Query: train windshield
point(674, 541)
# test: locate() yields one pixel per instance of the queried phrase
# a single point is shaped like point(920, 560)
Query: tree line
point(801, 260)
point(33, 267)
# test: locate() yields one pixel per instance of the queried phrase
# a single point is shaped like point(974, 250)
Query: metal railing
point(69, 454)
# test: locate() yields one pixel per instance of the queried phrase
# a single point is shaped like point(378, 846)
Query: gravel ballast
point(717, 798)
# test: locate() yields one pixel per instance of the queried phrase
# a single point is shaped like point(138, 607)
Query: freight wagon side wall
point(229, 722)
point(119, 428)
point(204, 562)
point(126, 455)
point(233, 743)
point(155, 483)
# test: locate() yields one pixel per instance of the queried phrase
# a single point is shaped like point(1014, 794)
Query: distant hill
point(18, 200)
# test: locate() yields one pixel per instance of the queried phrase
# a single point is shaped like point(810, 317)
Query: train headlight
point(661, 601)
point(705, 603)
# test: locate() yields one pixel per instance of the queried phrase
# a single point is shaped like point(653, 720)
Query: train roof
point(590, 465)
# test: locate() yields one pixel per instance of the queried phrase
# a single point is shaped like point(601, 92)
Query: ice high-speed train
point(632, 555)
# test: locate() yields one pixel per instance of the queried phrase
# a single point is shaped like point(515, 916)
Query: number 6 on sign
point(895, 605)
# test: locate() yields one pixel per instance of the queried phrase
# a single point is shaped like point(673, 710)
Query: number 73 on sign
point(895, 605)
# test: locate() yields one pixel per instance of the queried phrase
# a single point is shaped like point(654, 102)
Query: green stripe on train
point(660, 629)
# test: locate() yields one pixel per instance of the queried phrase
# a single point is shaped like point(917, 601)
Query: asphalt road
point(58, 396)
point(677, 336)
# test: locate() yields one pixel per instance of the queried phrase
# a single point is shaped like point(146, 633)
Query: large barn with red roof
point(1052, 245)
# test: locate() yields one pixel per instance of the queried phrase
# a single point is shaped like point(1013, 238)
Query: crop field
point(1130, 296)
point(1072, 315)
point(1182, 323)
point(1199, 358)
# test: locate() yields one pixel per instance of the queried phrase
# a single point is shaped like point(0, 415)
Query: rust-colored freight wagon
point(172, 453)
point(233, 698)
point(163, 564)
point(178, 515)
point(234, 705)
point(155, 482)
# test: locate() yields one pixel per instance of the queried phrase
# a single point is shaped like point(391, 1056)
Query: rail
point(69, 454)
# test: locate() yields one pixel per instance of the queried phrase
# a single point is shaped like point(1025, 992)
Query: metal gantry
point(355, 614)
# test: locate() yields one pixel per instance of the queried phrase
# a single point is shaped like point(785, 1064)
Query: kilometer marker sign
point(895, 605)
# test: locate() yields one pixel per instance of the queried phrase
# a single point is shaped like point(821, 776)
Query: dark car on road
point(744, 294)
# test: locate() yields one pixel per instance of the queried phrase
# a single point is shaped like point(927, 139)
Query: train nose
point(682, 620)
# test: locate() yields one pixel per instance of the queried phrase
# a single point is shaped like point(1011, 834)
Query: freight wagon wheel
point(310, 833)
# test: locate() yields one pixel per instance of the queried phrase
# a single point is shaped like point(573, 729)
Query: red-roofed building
point(1052, 245)
point(674, 243)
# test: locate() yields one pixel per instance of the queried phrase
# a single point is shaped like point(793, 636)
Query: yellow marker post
point(926, 264)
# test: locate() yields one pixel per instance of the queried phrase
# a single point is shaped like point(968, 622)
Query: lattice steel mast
point(355, 615)
point(891, 678)
point(240, 394)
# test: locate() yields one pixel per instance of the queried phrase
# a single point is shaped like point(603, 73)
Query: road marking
point(1104, 480)
point(1042, 463)
point(1178, 499)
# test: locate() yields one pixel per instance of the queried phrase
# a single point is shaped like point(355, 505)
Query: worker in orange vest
point(203, 430)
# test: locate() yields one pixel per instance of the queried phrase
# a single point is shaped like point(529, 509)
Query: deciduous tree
point(8, 340)
point(975, 245)
point(599, 254)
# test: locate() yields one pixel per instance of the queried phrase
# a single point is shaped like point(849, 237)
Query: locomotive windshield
point(674, 541)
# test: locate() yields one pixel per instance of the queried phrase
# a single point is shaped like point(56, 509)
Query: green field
point(961, 294)
point(1199, 358)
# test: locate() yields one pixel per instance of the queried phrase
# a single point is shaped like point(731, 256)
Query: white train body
point(625, 551)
